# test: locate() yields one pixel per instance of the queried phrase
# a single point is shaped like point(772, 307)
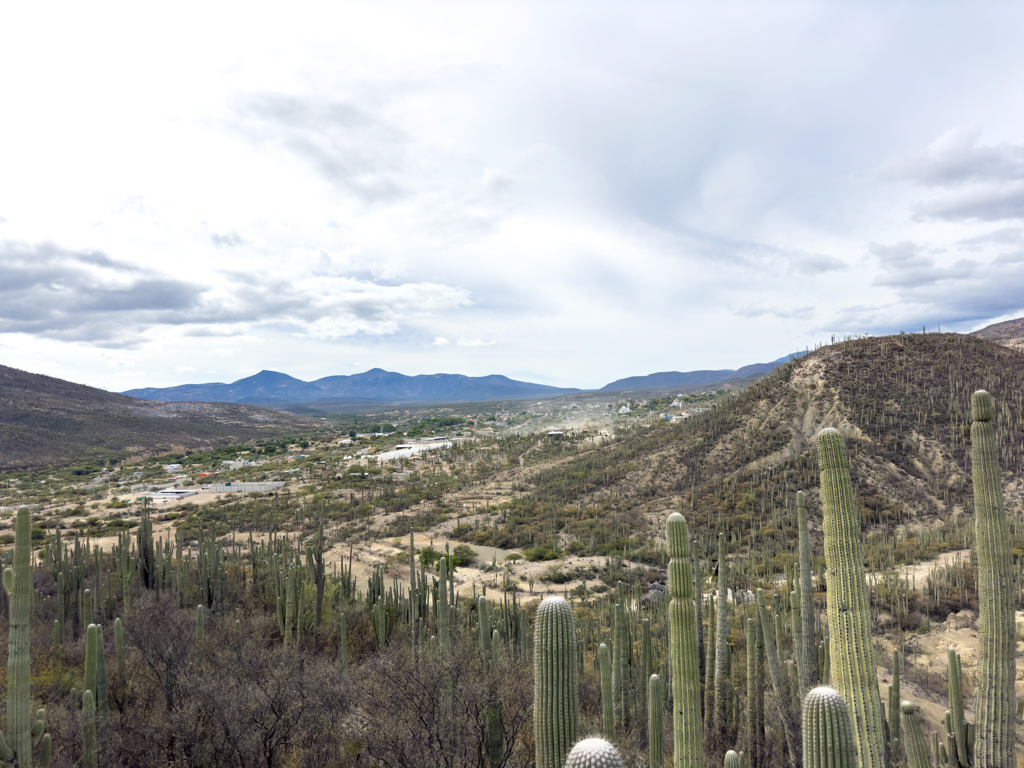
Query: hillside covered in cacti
point(694, 582)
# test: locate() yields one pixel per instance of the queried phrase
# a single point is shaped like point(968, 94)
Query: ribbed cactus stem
point(755, 694)
point(780, 683)
point(956, 727)
point(17, 747)
point(607, 708)
point(913, 737)
point(808, 666)
point(484, 620)
point(556, 699)
point(620, 668)
point(594, 753)
point(995, 703)
point(655, 721)
point(718, 719)
point(119, 642)
point(733, 759)
point(849, 613)
point(90, 756)
point(686, 699)
point(894, 699)
point(796, 629)
point(101, 692)
point(443, 630)
point(827, 732)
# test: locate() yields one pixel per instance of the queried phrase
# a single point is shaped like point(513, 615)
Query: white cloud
point(367, 183)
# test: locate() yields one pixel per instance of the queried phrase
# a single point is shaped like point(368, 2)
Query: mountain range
point(376, 385)
point(45, 421)
point(695, 378)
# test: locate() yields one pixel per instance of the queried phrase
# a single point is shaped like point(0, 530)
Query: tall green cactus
point(607, 707)
point(755, 693)
point(807, 664)
point(849, 611)
point(90, 748)
point(655, 721)
point(686, 699)
point(828, 735)
point(913, 736)
point(894, 699)
point(556, 698)
point(958, 735)
point(780, 683)
point(995, 703)
point(594, 753)
point(715, 741)
point(620, 668)
point(23, 731)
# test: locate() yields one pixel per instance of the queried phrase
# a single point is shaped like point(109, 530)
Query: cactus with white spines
point(686, 698)
point(594, 753)
point(913, 736)
point(828, 739)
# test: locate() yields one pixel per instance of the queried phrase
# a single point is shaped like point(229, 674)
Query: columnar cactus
point(957, 734)
point(719, 718)
point(780, 683)
point(90, 750)
point(655, 721)
point(913, 737)
point(849, 612)
point(484, 621)
point(807, 664)
point(995, 703)
point(686, 719)
point(620, 668)
point(828, 735)
point(894, 699)
point(23, 731)
point(556, 698)
point(755, 694)
point(594, 753)
point(733, 759)
point(607, 707)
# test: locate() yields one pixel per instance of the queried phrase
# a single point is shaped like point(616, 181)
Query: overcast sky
point(566, 193)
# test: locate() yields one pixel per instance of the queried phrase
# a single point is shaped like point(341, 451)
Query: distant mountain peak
point(374, 384)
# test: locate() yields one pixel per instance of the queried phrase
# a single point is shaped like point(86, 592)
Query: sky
point(561, 192)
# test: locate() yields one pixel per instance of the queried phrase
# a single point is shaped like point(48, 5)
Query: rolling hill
point(44, 421)
point(903, 403)
point(693, 378)
point(1009, 334)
